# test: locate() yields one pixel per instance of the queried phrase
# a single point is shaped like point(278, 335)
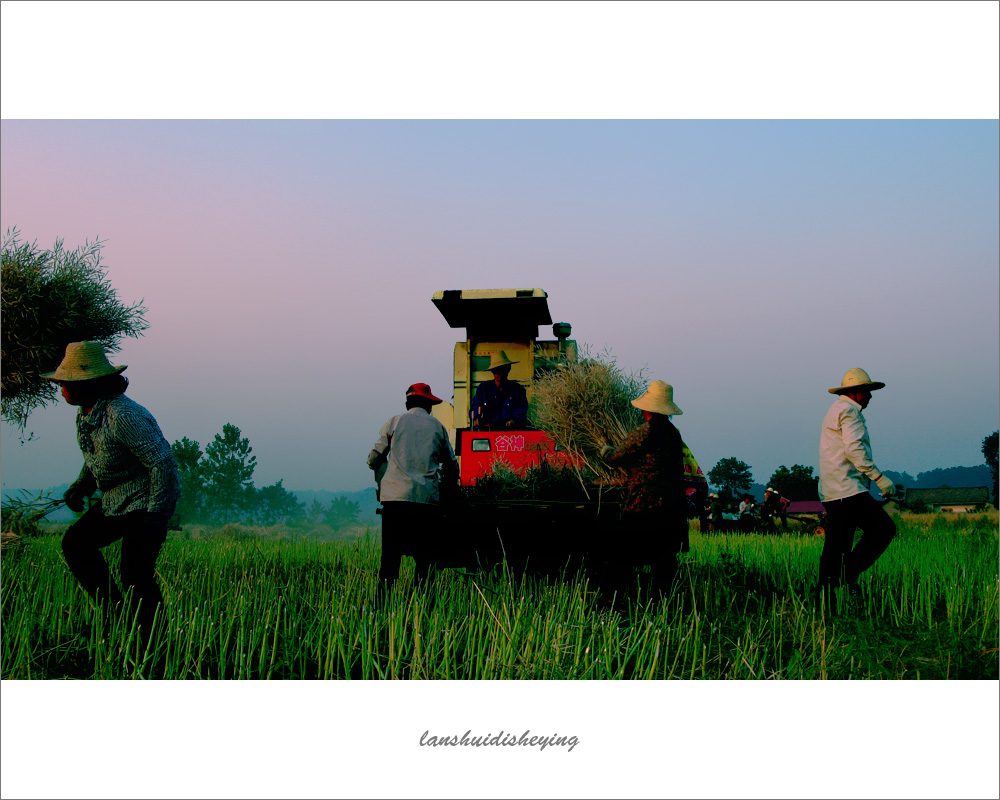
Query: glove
point(73, 499)
point(885, 485)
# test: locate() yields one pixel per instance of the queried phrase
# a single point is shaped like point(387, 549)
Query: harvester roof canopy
point(493, 308)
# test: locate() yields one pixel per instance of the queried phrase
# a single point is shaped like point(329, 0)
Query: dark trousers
point(408, 529)
point(842, 562)
point(82, 543)
point(654, 538)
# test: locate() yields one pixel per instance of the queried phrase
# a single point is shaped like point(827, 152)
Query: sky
point(288, 266)
point(747, 199)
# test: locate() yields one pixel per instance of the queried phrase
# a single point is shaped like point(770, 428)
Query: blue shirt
point(494, 406)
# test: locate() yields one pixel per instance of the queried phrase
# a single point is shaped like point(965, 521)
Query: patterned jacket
point(652, 458)
point(126, 457)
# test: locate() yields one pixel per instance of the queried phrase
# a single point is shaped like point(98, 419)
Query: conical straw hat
point(856, 380)
point(500, 360)
point(659, 399)
point(82, 362)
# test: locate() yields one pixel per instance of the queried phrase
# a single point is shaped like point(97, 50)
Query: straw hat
point(500, 360)
point(82, 362)
point(659, 399)
point(856, 380)
point(422, 390)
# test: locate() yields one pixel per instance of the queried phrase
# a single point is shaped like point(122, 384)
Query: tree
point(316, 511)
point(990, 446)
point(341, 513)
point(228, 471)
point(275, 503)
point(49, 298)
point(187, 454)
point(732, 477)
point(797, 483)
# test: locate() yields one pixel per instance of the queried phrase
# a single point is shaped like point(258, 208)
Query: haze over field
point(288, 268)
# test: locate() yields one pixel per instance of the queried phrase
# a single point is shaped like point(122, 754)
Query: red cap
point(423, 390)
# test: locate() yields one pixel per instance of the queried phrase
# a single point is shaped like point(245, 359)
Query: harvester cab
point(499, 322)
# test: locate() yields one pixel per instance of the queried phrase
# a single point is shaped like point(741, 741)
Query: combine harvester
point(499, 321)
point(543, 535)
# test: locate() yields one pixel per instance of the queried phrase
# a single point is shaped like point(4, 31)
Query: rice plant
point(272, 603)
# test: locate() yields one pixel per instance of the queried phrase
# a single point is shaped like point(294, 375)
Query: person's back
point(651, 456)
point(417, 456)
point(415, 459)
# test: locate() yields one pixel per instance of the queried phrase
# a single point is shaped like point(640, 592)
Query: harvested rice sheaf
point(586, 405)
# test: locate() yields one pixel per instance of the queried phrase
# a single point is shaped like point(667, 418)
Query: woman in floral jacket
point(654, 514)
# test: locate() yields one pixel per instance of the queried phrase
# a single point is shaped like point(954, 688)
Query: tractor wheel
point(819, 530)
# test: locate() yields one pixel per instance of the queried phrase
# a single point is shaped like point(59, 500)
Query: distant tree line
point(733, 478)
point(217, 487)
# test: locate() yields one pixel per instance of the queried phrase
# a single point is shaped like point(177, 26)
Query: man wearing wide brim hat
point(414, 466)
point(126, 457)
point(654, 513)
point(500, 404)
point(846, 471)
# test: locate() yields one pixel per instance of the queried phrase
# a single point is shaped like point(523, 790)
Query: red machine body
point(480, 451)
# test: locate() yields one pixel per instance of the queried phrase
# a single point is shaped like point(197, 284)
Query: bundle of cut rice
point(586, 405)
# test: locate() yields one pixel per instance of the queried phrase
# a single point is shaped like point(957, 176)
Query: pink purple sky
point(288, 267)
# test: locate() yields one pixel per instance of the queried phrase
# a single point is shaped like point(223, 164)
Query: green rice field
point(278, 603)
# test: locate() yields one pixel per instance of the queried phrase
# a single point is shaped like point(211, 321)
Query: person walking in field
point(771, 511)
point(748, 513)
point(127, 459)
point(654, 514)
point(716, 521)
point(846, 470)
point(414, 465)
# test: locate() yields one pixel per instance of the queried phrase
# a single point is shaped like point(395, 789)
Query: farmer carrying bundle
point(654, 514)
point(125, 457)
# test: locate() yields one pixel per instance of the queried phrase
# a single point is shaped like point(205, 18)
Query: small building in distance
point(949, 499)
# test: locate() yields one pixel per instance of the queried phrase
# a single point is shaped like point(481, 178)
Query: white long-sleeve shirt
point(846, 467)
point(419, 454)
